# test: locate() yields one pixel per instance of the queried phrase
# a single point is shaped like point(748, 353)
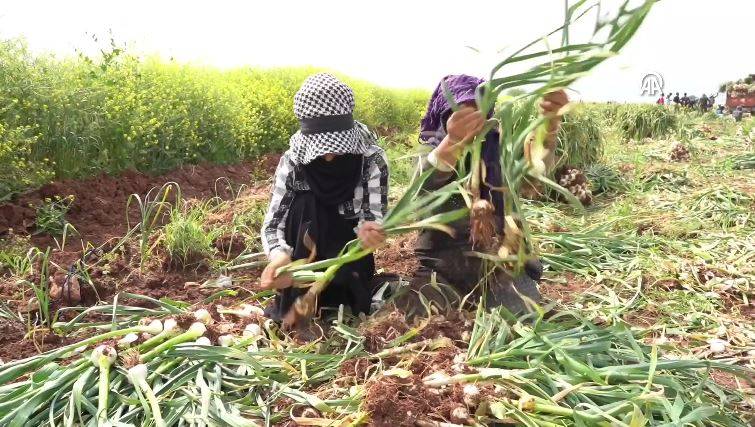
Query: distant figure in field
point(720, 110)
point(692, 101)
point(676, 99)
point(685, 100)
point(737, 113)
point(703, 103)
point(661, 100)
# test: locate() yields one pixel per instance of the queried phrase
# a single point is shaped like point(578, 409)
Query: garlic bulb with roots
point(246, 310)
point(225, 340)
point(154, 327)
point(138, 377)
point(170, 325)
point(482, 223)
point(252, 330)
point(103, 357)
point(127, 340)
point(437, 379)
point(197, 328)
point(459, 363)
point(103, 354)
point(253, 309)
point(460, 415)
point(203, 316)
point(717, 345)
point(203, 341)
point(138, 372)
point(471, 395)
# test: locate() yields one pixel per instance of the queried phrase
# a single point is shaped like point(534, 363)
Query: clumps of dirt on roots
point(397, 256)
point(383, 328)
point(359, 368)
point(679, 153)
point(576, 182)
point(421, 362)
point(482, 225)
point(393, 401)
point(446, 359)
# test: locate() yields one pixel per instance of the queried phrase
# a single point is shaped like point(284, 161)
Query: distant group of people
point(703, 103)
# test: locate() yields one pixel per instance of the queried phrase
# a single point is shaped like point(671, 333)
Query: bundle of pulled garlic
point(679, 153)
point(576, 182)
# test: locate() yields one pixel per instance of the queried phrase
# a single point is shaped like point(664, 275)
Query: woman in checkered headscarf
point(331, 187)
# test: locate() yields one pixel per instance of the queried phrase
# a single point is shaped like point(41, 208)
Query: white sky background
point(694, 44)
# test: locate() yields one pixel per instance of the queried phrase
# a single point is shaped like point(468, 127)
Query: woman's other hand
point(465, 124)
point(553, 102)
point(462, 127)
point(551, 106)
point(371, 234)
point(269, 280)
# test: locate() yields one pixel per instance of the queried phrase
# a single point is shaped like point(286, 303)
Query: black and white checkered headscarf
point(324, 95)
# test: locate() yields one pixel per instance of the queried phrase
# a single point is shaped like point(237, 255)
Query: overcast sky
point(693, 44)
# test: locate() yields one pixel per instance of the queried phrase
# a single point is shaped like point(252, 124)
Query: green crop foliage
point(186, 239)
point(18, 171)
point(580, 140)
point(78, 117)
point(51, 215)
point(635, 121)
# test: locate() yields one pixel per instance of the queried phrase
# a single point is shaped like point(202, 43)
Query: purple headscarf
point(433, 130)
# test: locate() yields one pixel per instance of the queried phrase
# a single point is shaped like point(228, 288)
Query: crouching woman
point(451, 259)
point(331, 187)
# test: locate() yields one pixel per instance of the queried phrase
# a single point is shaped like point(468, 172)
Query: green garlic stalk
point(103, 358)
point(12, 370)
point(195, 331)
point(138, 377)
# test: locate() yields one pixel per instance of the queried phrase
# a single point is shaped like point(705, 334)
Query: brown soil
point(14, 344)
point(729, 381)
point(357, 368)
point(99, 204)
point(426, 363)
point(564, 292)
point(99, 215)
point(381, 329)
point(679, 153)
point(644, 318)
